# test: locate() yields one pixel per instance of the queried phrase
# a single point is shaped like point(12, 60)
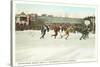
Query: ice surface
point(30, 48)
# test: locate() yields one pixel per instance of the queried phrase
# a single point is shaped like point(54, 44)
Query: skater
point(43, 31)
point(85, 33)
point(61, 30)
point(66, 30)
point(56, 30)
point(47, 27)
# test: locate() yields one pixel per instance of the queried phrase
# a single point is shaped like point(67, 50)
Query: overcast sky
point(56, 10)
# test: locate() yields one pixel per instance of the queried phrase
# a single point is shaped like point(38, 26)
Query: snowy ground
point(30, 48)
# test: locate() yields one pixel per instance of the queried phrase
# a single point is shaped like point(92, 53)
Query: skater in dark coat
point(44, 28)
point(85, 33)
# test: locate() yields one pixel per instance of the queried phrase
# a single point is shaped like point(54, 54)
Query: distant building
point(24, 21)
point(33, 17)
point(22, 18)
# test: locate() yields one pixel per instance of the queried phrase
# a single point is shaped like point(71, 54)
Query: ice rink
point(29, 48)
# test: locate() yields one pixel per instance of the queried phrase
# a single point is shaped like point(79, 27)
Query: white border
point(56, 4)
point(13, 34)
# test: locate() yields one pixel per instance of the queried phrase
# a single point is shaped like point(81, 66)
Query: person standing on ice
point(61, 30)
point(56, 30)
point(44, 28)
point(85, 32)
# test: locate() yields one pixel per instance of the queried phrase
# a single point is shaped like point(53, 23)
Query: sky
point(56, 10)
